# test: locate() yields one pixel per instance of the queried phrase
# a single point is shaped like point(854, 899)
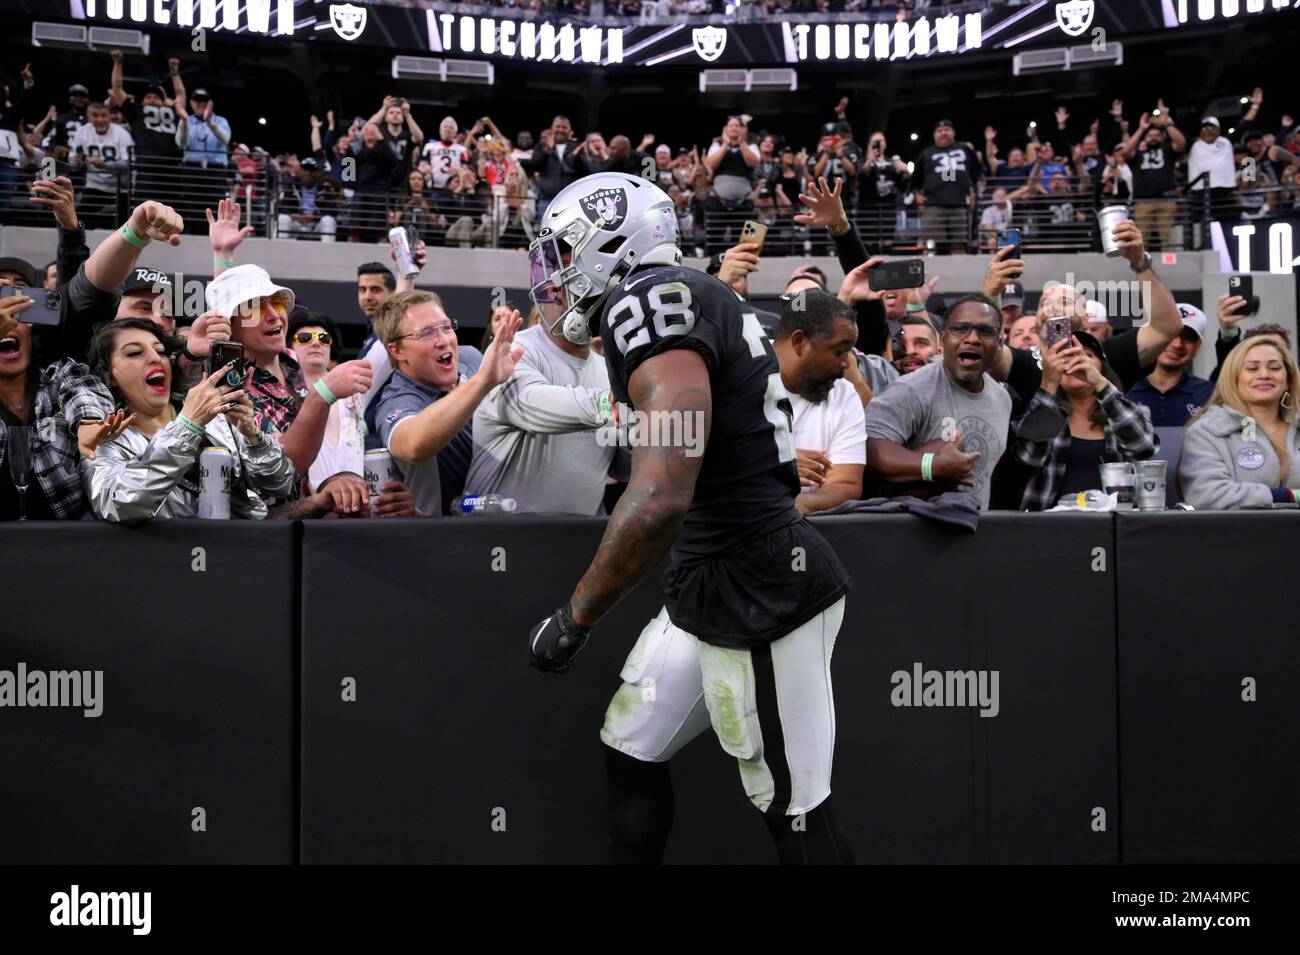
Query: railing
point(1055, 222)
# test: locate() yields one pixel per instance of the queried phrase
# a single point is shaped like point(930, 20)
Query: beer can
point(379, 470)
point(400, 242)
point(1107, 219)
point(1151, 485)
point(1120, 479)
point(214, 484)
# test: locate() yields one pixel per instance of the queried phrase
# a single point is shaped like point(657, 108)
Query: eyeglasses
point(429, 333)
point(304, 338)
point(987, 333)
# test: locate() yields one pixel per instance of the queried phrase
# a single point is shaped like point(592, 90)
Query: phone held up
point(754, 232)
point(46, 307)
point(1055, 330)
point(1243, 285)
point(909, 273)
point(222, 354)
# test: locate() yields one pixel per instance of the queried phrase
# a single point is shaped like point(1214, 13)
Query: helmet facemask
point(550, 275)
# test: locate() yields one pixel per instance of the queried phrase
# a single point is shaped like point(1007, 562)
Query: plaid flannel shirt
point(1128, 436)
point(55, 458)
point(275, 405)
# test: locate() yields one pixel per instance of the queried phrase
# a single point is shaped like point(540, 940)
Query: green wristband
point(191, 425)
point(914, 307)
point(927, 461)
point(224, 263)
point(1232, 332)
point(127, 233)
point(323, 390)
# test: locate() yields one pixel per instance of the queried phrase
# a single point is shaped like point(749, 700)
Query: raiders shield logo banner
point(609, 205)
point(1075, 16)
point(348, 20)
point(709, 42)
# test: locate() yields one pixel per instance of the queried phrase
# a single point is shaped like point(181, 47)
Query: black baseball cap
point(200, 93)
point(156, 88)
point(786, 148)
point(22, 267)
point(944, 122)
point(76, 89)
point(144, 279)
point(308, 163)
point(1090, 343)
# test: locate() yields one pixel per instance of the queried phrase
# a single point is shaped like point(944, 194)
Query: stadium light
point(915, 137)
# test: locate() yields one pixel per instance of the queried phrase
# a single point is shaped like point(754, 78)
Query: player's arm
point(648, 515)
point(650, 512)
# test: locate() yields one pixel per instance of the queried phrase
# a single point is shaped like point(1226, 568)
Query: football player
point(753, 596)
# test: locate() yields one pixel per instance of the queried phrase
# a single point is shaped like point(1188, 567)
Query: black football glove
point(556, 642)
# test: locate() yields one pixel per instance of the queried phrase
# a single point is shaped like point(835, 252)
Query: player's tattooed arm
point(649, 514)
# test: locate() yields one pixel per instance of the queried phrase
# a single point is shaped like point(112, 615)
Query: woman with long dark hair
point(150, 469)
point(1076, 421)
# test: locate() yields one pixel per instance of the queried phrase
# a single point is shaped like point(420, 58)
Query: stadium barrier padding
point(194, 627)
point(1209, 687)
point(358, 691)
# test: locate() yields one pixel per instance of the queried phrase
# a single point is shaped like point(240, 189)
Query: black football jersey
point(153, 128)
point(66, 125)
point(732, 580)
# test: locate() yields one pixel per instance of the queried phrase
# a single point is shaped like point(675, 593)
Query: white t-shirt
point(1216, 157)
point(114, 147)
point(344, 445)
point(445, 160)
point(836, 427)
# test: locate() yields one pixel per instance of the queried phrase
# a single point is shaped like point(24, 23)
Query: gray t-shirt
point(926, 405)
point(536, 436)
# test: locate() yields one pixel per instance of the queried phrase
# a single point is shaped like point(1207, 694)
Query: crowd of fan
point(889, 401)
point(466, 183)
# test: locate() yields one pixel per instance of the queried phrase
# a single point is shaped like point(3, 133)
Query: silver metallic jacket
point(134, 478)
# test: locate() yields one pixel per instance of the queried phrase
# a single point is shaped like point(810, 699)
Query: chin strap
point(616, 278)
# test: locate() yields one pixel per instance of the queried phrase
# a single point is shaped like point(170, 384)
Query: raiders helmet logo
point(348, 20)
point(711, 41)
point(1075, 16)
point(609, 205)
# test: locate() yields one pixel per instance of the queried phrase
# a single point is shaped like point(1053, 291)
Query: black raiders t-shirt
point(836, 170)
point(945, 174)
point(153, 128)
point(746, 567)
point(399, 144)
point(66, 125)
point(1153, 172)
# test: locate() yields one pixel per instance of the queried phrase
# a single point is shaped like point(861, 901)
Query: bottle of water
point(483, 504)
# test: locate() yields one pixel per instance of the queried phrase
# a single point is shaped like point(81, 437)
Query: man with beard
point(955, 402)
point(1171, 391)
point(814, 346)
point(920, 344)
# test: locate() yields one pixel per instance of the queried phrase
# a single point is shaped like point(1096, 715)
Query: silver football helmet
point(594, 233)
